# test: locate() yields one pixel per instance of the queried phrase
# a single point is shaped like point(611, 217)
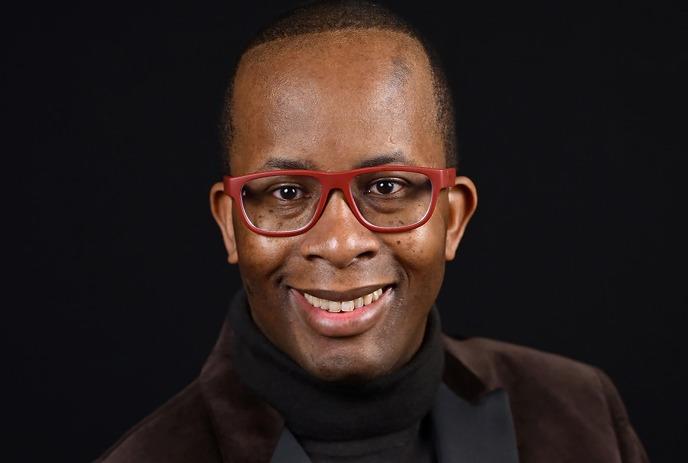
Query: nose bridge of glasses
point(331, 183)
point(329, 200)
point(335, 181)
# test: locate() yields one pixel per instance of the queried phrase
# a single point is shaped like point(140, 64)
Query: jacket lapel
point(289, 450)
point(471, 416)
point(480, 432)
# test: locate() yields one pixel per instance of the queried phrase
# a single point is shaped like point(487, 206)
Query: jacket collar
point(248, 429)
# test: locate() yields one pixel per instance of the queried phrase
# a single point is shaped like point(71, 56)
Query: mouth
point(340, 305)
point(347, 313)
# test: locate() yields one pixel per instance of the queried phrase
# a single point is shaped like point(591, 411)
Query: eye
point(287, 192)
point(385, 186)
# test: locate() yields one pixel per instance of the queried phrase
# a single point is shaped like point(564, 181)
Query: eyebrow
point(279, 163)
point(288, 164)
point(396, 157)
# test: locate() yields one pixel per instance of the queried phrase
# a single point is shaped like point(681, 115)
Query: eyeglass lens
point(389, 199)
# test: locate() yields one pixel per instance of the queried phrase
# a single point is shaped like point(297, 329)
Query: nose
point(338, 237)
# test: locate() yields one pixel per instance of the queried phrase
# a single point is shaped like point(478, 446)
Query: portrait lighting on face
point(342, 186)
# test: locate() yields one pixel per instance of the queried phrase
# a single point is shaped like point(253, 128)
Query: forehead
point(334, 98)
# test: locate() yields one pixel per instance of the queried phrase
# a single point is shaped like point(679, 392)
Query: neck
point(334, 410)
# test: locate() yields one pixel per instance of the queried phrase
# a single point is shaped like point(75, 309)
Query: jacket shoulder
point(178, 431)
point(554, 399)
point(502, 364)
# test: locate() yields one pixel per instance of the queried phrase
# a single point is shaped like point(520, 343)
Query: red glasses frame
point(439, 178)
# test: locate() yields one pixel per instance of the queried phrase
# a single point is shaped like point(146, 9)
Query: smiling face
point(334, 101)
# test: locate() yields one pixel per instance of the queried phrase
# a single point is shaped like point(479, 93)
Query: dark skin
point(333, 101)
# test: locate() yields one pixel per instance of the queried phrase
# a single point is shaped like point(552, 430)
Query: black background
point(570, 122)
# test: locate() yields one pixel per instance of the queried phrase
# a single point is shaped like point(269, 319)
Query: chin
point(347, 368)
point(343, 371)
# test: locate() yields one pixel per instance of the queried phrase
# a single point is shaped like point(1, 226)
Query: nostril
point(367, 254)
point(338, 250)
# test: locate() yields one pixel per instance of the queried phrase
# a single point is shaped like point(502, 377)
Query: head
point(317, 92)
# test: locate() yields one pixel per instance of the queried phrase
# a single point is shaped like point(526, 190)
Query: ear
point(221, 207)
point(463, 200)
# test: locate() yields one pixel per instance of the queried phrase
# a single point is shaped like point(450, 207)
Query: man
point(342, 207)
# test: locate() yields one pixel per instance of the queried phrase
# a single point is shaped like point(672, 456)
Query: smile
point(343, 313)
point(343, 306)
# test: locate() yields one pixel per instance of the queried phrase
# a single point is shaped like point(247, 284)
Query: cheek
point(420, 253)
point(260, 258)
point(261, 261)
point(421, 250)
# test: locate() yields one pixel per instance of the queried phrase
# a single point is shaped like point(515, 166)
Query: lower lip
point(341, 324)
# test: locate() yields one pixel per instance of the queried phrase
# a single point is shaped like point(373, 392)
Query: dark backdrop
point(570, 122)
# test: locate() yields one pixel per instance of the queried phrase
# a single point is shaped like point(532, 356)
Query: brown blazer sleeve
point(630, 447)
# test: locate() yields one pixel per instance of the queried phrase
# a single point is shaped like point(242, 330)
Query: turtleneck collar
point(317, 409)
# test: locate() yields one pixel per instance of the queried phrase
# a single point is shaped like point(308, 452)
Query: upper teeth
point(344, 306)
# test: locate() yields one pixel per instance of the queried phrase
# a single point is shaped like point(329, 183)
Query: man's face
point(334, 101)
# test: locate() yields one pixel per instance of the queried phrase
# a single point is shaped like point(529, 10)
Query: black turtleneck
point(384, 419)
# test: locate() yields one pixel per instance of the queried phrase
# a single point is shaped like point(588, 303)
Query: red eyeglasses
point(387, 199)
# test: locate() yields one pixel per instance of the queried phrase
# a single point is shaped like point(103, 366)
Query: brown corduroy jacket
point(558, 410)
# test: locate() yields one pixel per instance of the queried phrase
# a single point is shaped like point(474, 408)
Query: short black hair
point(334, 15)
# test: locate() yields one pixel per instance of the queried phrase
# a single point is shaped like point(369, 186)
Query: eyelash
point(396, 181)
point(275, 191)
